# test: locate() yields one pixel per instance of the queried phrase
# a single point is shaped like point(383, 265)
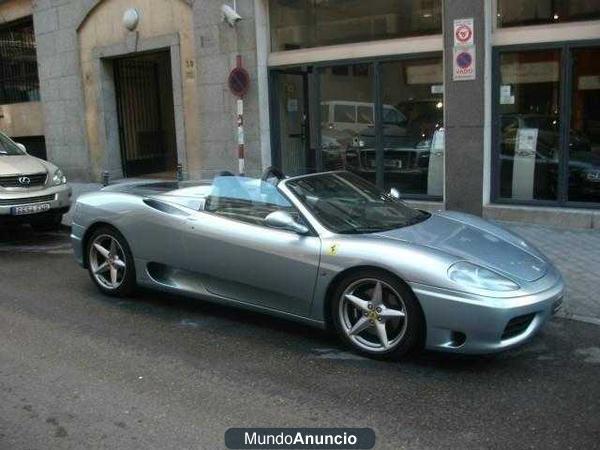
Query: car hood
point(475, 240)
point(21, 164)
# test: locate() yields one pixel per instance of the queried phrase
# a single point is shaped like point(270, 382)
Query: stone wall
point(211, 136)
point(60, 84)
point(217, 46)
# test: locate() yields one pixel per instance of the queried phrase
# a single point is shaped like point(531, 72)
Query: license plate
point(30, 209)
point(393, 163)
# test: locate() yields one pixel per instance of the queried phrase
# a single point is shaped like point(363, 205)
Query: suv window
point(324, 113)
point(364, 114)
point(344, 113)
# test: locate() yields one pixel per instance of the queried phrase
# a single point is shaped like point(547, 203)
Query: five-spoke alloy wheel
point(110, 263)
point(377, 314)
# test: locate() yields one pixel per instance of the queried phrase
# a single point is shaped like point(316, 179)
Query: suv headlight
point(473, 276)
point(58, 178)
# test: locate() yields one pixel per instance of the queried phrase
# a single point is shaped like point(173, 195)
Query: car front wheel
point(377, 315)
point(110, 263)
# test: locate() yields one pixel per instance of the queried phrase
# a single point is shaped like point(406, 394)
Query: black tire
point(48, 223)
point(412, 338)
point(128, 284)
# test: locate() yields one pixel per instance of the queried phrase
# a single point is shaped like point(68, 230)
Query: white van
point(352, 116)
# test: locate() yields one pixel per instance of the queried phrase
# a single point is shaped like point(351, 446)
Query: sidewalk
point(576, 253)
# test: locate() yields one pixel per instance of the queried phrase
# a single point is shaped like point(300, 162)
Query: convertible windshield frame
point(239, 192)
point(412, 215)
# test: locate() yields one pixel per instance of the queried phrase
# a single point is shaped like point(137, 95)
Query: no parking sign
point(464, 64)
point(464, 50)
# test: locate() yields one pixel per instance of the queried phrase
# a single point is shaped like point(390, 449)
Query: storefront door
point(292, 142)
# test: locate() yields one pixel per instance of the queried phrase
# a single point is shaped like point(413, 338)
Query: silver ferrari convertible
point(328, 249)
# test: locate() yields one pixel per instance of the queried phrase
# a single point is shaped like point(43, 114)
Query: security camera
point(230, 15)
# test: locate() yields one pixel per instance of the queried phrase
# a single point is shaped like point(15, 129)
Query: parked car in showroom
point(31, 190)
point(327, 249)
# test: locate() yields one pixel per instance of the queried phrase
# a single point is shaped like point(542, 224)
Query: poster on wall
point(524, 163)
point(506, 97)
point(463, 33)
point(463, 61)
point(435, 173)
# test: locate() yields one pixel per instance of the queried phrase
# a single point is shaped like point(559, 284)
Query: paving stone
point(576, 253)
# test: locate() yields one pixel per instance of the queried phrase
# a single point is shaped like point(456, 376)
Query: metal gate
point(145, 114)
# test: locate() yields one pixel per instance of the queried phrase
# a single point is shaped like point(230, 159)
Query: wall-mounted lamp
point(131, 18)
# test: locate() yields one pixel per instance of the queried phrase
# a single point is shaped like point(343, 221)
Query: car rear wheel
point(110, 263)
point(377, 315)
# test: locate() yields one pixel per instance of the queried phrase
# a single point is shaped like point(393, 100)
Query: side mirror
point(394, 193)
point(21, 146)
point(283, 221)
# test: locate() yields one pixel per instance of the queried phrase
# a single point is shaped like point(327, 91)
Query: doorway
point(146, 115)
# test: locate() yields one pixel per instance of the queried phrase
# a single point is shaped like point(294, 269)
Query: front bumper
point(463, 323)
point(59, 198)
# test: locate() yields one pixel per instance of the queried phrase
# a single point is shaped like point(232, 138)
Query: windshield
point(8, 147)
point(345, 203)
point(238, 198)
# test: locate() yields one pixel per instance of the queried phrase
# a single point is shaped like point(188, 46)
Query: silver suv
point(31, 190)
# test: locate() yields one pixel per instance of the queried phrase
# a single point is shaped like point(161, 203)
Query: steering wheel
point(272, 171)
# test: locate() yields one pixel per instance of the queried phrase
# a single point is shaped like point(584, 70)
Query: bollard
point(179, 172)
point(105, 178)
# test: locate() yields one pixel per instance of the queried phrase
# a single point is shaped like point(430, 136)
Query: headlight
point(473, 276)
point(58, 178)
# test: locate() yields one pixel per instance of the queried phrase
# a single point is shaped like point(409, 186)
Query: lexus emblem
point(25, 180)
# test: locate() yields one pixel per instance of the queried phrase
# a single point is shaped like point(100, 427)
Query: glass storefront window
point(382, 120)
point(313, 23)
point(584, 142)
point(532, 12)
point(529, 121)
point(549, 151)
point(413, 120)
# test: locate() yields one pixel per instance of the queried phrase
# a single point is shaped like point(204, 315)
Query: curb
point(579, 318)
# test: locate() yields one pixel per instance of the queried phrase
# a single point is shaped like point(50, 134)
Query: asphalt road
point(80, 370)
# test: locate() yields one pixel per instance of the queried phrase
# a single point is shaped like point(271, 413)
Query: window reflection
point(412, 123)
point(529, 124)
point(312, 23)
point(347, 120)
point(531, 12)
point(584, 145)
point(413, 120)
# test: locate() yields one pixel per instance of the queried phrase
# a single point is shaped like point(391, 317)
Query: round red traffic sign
point(239, 81)
point(463, 33)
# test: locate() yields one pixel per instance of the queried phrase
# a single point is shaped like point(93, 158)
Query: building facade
point(486, 106)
